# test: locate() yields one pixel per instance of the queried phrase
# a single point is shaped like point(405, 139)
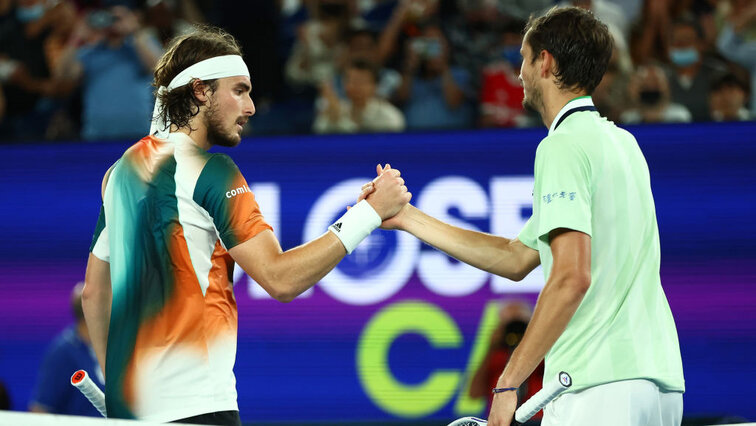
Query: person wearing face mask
point(690, 73)
point(649, 92)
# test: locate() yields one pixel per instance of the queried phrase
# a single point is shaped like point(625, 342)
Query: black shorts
point(221, 418)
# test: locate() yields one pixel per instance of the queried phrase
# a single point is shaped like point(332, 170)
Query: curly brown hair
point(180, 105)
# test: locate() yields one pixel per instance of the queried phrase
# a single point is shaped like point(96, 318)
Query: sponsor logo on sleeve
point(236, 191)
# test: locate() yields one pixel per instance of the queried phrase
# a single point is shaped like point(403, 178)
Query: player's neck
point(197, 132)
point(553, 102)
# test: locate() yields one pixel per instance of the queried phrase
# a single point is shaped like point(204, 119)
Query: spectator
point(610, 96)
point(320, 42)
point(405, 22)
point(727, 99)
point(363, 111)
point(501, 90)
point(473, 29)
point(610, 14)
point(115, 73)
point(648, 39)
point(513, 320)
point(521, 10)
point(631, 9)
point(163, 23)
point(737, 40)
point(649, 92)
point(434, 94)
point(361, 46)
point(70, 351)
point(28, 30)
point(691, 73)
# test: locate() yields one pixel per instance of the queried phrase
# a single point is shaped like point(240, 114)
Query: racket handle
point(536, 402)
point(81, 381)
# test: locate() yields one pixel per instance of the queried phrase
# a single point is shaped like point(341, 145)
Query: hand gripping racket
point(81, 381)
point(527, 410)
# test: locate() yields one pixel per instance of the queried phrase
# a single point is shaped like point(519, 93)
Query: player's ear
point(201, 90)
point(547, 63)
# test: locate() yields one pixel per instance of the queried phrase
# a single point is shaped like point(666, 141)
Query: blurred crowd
point(82, 69)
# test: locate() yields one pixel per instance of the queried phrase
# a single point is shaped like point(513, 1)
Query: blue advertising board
point(397, 329)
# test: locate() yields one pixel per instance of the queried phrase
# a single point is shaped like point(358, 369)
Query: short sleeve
point(529, 234)
point(562, 193)
point(100, 246)
point(223, 192)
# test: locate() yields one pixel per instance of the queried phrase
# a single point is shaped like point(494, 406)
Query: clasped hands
point(387, 194)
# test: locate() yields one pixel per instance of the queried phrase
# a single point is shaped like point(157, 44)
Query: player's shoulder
point(219, 171)
point(558, 143)
point(219, 163)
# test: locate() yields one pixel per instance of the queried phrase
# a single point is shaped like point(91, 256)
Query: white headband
point(209, 69)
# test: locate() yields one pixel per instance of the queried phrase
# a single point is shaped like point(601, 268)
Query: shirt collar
point(579, 102)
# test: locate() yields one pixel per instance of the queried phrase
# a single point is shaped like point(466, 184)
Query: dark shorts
point(221, 418)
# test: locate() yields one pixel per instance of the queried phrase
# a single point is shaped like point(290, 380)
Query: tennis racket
point(81, 381)
point(533, 405)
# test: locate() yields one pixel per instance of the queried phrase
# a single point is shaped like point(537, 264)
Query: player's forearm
point(96, 299)
point(484, 251)
point(556, 305)
point(298, 269)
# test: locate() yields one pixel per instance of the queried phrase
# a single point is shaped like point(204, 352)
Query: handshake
point(387, 195)
point(382, 202)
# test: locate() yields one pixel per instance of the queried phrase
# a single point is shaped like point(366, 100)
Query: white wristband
point(355, 225)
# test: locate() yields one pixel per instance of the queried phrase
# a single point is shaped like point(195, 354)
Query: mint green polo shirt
point(591, 177)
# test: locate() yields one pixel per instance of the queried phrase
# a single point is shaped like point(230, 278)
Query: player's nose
point(249, 108)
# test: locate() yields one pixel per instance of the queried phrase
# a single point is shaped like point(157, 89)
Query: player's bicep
point(571, 251)
point(97, 274)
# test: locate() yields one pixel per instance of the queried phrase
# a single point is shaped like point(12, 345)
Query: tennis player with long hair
point(158, 299)
point(602, 315)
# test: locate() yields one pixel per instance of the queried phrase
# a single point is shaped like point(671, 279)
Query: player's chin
point(234, 140)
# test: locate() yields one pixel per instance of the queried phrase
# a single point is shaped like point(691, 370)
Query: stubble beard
point(216, 134)
point(533, 100)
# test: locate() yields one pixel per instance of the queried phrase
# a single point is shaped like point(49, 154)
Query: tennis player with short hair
point(158, 299)
point(602, 315)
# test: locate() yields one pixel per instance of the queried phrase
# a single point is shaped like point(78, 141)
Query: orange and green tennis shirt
point(170, 212)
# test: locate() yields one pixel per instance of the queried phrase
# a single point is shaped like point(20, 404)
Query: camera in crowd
point(512, 333)
point(101, 19)
point(426, 47)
